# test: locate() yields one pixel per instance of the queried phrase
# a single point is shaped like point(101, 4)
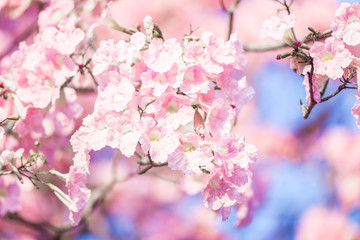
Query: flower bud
point(64, 198)
point(327, 32)
point(305, 46)
point(149, 27)
point(13, 117)
point(289, 37)
point(62, 176)
point(199, 125)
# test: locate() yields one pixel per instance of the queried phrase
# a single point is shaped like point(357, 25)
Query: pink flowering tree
point(73, 91)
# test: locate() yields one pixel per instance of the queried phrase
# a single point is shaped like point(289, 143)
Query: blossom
point(191, 156)
point(195, 80)
point(78, 192)
point(161, 56)
point(115, 96)
point(10, 157)
point(235, 87)
point(159, 140)
point(122, 55)
point(224, 192)
point(55, 12)
point(64, 39)
point(155, 83)
point(40, 73)
point(330, 58)
point(346, 25)
point(220, 117)
point(275, 27)
point(232, 150)
point(173, 108)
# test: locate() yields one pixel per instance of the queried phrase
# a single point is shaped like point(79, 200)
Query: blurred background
point(306, 181)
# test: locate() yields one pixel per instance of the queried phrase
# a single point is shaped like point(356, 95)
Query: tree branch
point(231, 12)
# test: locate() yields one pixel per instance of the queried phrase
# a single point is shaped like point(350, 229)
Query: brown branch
point(149, 166)
point(43, 227)
point(261, 47)
point(231, 12)
point(306, 111)
point(340, 88)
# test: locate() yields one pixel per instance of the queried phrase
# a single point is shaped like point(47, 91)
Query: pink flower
point(197, 53)
point(161, 56)
point(195, 80)
point(155, 83)
point(93, 135)
point(64, 39)
point(78, 192)
point(40, 73)
point(232, 150)
point(235, 87)
point(61, 116)
point(346, 25)
point(125, 132)
point(191, 156)
point(10, 157)
point(159, 140)
point(275, 27)
point(111, 56)
point(220, 117)
point(330, 58)
point(229, 182)
point(55, 12)
point(224, 192)
point(9, 197)
point(173, 108)
point(225, 53)
point(115, 96)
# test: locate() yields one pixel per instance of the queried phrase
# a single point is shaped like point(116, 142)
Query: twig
point(231, 12)
point(92, 76)
point(340, 88)
point(306, 111)
point(44, 227)
point(261, 47)
point(151, 164)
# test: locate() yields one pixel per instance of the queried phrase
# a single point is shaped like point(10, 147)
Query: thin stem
point(340, 88)
point(152, 164)
point(92, 76)
point(231, 12)
point(306, 111)
point(261, 47)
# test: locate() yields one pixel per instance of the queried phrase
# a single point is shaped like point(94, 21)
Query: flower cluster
point(337, 57)
point(173, 104)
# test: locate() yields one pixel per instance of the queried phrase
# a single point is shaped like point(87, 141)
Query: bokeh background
point(307, 177)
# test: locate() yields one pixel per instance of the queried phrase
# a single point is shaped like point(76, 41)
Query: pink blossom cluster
point(337, 57)
point(34, 90)
point(173, 104)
